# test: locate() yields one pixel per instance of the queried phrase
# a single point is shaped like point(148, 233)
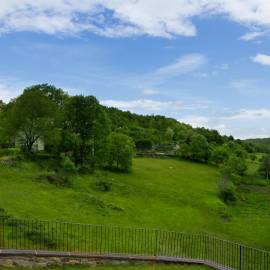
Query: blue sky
point(206, 63)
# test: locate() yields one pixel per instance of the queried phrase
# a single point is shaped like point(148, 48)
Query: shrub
point(103, 185)
point(235, 166)
point(67, 164)
point(59, 180)
point(9, 152)
point(227, 191)
point(219, 155)
point(84, 169)
point(3, 213)
point(197, 150)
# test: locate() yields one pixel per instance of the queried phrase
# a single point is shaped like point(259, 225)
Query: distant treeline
point(260, 145)
point(85, 133)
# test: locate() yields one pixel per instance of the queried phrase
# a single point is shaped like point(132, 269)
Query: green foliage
point(120, 148)
point(260, 145)
point(67, 164)
point(212, 136)
point(198, 149)
point(9, 152)
point(30, 117)
point(60, 179)
point(3, 213)
point(236, 165)
point(103, 185)
point(227, 191)
point(220, 155)
point(79, 126)
point(144, 144)
point(168, 136)
point(252, 157)
point(85, 129)
point(264, 168)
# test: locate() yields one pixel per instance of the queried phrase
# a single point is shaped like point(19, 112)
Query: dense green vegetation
point(261, 145)
point(85, 132)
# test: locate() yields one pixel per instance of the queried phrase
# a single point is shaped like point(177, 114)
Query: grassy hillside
point(161, 193)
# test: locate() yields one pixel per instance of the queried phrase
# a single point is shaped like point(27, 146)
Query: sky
point(202, 62)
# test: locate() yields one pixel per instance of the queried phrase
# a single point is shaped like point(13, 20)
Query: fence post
point(240, 257)
point(156, 243)
point(205, 247)
point(2, 232)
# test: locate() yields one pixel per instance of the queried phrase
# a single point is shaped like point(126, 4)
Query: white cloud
point(114, 18)
point(223, 66)
point(251, 114)
point(195, 120)
point(245, 123)
point(252, 35)
point(9, 89)
point(262, 59)
point(150, 92)
point(144, 105)
point(243, 84)
point(185, 64)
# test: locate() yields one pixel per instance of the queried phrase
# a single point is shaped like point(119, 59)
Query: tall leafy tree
point(120, 149)
point(197, 149)
point(30, 117)
point(85, 129)
point(3, 135)
point(264, 169)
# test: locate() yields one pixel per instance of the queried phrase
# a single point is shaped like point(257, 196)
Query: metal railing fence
point(104, 239)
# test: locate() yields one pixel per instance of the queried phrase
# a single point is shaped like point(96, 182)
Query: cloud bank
point(122, 18)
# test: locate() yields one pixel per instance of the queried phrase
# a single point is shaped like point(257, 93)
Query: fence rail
point(102, 239)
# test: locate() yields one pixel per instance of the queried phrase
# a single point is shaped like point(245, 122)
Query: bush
point(3, 213)
point(67, 164)
point(84, 169)
point(197, 150)
point(103, 185)
point(235, 166)
point(59, 180)
point(9, 152)
point(219, 155)
point(227, 191)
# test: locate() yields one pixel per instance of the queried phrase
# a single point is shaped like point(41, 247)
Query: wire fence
point(102, 239)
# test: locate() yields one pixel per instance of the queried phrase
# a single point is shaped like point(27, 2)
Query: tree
point(227, 191)
point(220, 154)
point(30, 117)
point(3, 135)
point(86, 127)
point(264, 169)
point(59, 98)
point(168, 136)
point(197, 149)
point(120, 149)
point(236, 165)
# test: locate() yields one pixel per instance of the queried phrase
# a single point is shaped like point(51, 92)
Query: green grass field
point(159, 193)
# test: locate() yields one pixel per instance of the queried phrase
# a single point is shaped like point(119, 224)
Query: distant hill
point(262, 145)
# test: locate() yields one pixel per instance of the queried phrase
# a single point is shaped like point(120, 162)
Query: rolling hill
point(159, 193)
